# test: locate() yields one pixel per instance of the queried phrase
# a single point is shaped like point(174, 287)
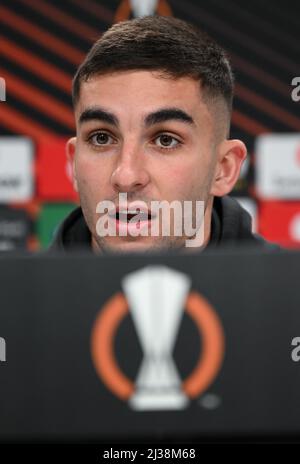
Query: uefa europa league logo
point(156, 302)
point(156, 297)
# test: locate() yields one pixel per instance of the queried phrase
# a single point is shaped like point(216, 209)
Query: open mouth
point(134, 216)
point(131, 219)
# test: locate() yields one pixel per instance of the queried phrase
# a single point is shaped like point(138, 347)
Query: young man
point(152, 103)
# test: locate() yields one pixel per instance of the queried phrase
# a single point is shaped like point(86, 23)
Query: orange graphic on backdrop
point(206, 369)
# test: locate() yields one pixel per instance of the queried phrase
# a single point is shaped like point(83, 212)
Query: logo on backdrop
point(275, 179)
point(156, 297)
point(16, 169)
point(140, 8)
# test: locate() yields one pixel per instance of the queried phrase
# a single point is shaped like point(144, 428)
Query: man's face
point(149, 136)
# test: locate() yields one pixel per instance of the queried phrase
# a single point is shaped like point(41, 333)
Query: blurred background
point(43, 41)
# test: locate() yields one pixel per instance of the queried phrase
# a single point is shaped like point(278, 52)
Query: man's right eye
point(100, 138)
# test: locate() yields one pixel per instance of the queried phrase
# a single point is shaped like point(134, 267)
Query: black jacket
point(230, 226)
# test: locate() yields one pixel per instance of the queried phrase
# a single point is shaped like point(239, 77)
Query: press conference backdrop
point(42, 43)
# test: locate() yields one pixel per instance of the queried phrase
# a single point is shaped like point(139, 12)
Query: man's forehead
point(141, 93)
point(136, 78)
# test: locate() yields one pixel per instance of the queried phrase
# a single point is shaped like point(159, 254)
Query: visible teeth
point(142, 216)
point(122, 216)
point(129, 215)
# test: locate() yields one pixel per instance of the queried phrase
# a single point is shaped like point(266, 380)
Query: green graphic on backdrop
point(49, 219)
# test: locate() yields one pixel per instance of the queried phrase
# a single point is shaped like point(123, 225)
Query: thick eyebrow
point(99, 114)
point(163, 115)
point(168, 114)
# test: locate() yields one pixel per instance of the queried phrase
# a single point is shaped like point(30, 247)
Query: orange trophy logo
point(156, 297)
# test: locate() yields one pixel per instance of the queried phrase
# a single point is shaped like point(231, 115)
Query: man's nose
point(130, 173)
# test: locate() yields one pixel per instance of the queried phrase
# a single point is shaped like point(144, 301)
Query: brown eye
point(166, 141)
point(101, 138)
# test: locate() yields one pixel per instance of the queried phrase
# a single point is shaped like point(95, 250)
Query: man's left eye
point(166, 141)
point(101, 138)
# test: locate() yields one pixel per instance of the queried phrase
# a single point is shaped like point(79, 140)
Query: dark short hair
point(158, 43)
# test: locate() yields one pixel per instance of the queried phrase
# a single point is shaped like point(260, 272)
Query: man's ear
point(70, 151)
point(230, 157)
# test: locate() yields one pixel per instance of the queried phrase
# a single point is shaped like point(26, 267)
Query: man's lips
point(132, 216)
point(134, 212)
point(131, 219)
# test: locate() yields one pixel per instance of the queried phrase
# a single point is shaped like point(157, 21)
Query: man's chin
point(135, 245)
